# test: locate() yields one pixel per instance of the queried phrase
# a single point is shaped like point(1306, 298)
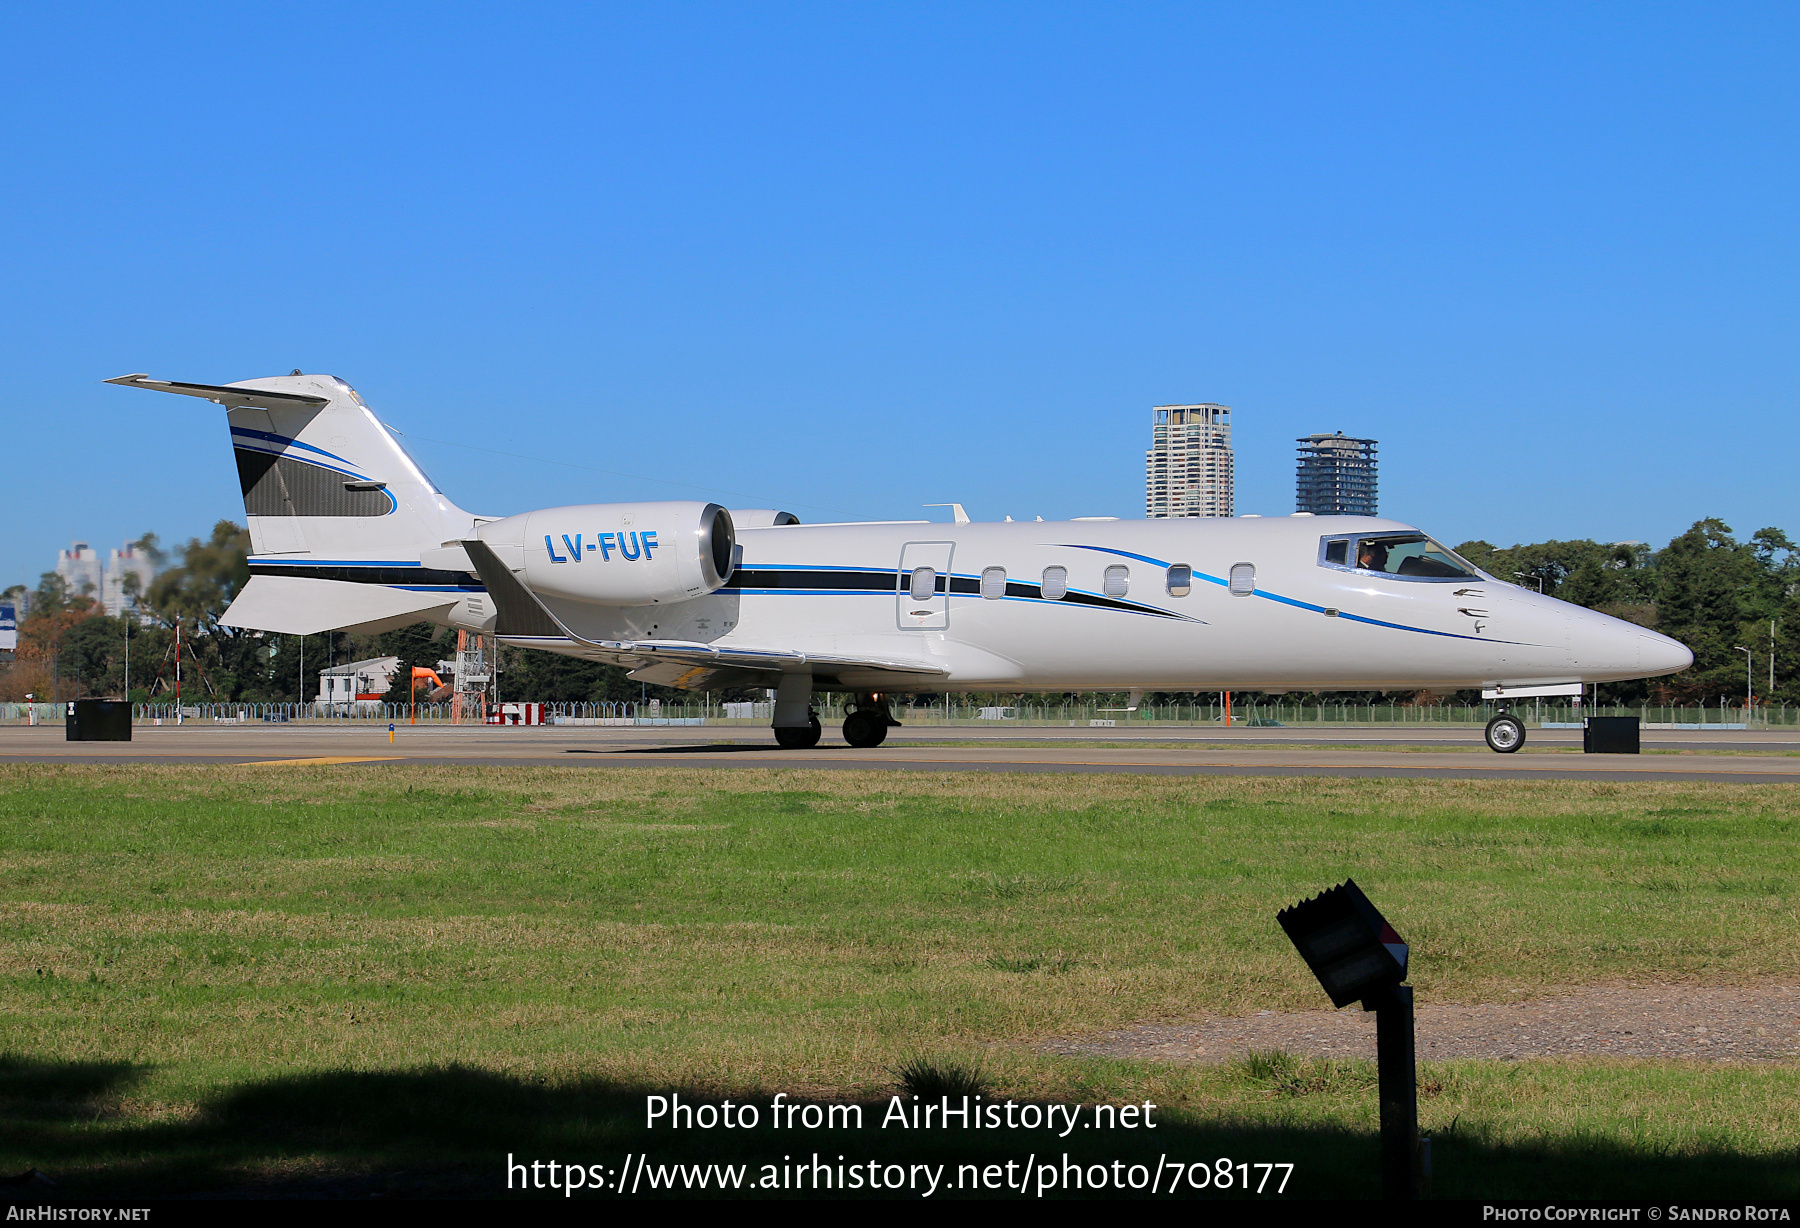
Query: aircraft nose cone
point(1609, 649)
point(1658, 654)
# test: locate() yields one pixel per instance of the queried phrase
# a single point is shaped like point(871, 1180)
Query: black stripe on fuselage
point(788, 577)
point(368, 575)
point(772, 579)
point(767, 579)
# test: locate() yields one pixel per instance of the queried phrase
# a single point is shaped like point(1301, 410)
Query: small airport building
point(360, 683)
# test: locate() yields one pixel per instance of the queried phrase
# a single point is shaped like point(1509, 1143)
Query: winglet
point(518, 612)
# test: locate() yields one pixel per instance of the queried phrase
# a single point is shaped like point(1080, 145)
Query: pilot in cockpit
point(1410, 556)
point(1372, 556)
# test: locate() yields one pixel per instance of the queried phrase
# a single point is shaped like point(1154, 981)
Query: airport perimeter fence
point(1545, 715)
point(1100, 712)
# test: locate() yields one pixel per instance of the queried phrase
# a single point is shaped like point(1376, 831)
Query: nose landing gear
point(1505, 733)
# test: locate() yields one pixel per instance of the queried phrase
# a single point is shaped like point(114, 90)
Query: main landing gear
point(869, 720)
point(800, 737)
point(797, 725)
point(1505, 733)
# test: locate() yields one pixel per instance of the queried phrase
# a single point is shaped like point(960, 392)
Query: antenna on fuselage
point(956, 511)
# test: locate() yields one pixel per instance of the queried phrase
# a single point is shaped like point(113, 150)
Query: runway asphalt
point(1741, 756)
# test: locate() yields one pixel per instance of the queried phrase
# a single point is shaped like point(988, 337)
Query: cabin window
point(1243, 579)
point(1118, 580)
point(924, 583)
point(1181, 580)
point(993, 583)
point(1337, 551)
point(1056, 583)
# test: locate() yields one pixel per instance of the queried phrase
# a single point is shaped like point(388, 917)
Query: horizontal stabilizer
point(228, 397)
point(292, 605)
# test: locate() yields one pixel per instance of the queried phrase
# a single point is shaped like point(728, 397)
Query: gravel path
point(1754, 1024)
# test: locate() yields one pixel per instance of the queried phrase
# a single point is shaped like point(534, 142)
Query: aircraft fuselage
point(1291, 621)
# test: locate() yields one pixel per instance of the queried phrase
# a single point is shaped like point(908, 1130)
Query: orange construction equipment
point(438, 690)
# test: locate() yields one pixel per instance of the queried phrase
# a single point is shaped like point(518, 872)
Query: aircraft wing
point(759, 658)
point(680, 663)
point(674, 663)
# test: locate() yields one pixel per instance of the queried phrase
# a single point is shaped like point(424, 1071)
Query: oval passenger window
point(1118, 580)
point(993, 583)
point(924, 583)
point(1243, 579)
point(1181, 580)
point(1056, 583)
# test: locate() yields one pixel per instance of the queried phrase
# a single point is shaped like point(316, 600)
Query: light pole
point(1749, 681)
point(1537, 580)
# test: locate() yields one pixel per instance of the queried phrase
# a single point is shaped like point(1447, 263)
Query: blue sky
point(849, 259)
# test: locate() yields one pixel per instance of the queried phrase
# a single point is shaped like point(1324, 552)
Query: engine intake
point(618, 553)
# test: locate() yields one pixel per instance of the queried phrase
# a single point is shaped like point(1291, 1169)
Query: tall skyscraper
point(84, 573)
point(1188, 470)
point(81, 569)
point(1337, 476)
point(115, 596)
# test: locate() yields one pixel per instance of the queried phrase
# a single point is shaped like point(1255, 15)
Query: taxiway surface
point(1742, 756)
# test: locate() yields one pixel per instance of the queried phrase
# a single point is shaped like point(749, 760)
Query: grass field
point(219, 977)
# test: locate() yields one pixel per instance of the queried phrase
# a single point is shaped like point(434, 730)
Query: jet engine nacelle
point(618, 553)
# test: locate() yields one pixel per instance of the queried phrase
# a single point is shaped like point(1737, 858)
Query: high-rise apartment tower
point(1337, 476)
point(1188, 470)
point(84, 573)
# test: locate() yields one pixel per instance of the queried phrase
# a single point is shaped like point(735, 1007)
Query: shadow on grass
point(37, 1091)
point(447, 1132)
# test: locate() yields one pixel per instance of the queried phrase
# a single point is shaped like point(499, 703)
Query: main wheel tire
point(865, 729)
point(803, 738)
point(1505, 734)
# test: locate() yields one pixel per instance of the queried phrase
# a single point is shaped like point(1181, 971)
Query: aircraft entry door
point(924, 586)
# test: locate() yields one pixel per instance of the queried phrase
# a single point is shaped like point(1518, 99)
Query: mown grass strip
point(175, 938)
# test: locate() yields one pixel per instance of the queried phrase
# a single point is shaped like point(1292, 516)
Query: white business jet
point(349, 534)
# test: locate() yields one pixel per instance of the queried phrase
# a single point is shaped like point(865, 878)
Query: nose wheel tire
point(865, 729)
point(1505, 734)
point(799, 738)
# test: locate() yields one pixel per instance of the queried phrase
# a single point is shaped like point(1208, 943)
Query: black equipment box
point(1610, 735)
point(99, 720)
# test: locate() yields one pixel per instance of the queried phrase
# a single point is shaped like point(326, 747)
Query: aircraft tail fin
point(321, 476)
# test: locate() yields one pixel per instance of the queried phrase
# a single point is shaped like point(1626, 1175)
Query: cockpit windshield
point(1407, 556)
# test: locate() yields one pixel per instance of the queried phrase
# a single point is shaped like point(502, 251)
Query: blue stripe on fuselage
point(1142, 558)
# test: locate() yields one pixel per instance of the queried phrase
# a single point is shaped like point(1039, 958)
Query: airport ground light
point(1357, 956)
